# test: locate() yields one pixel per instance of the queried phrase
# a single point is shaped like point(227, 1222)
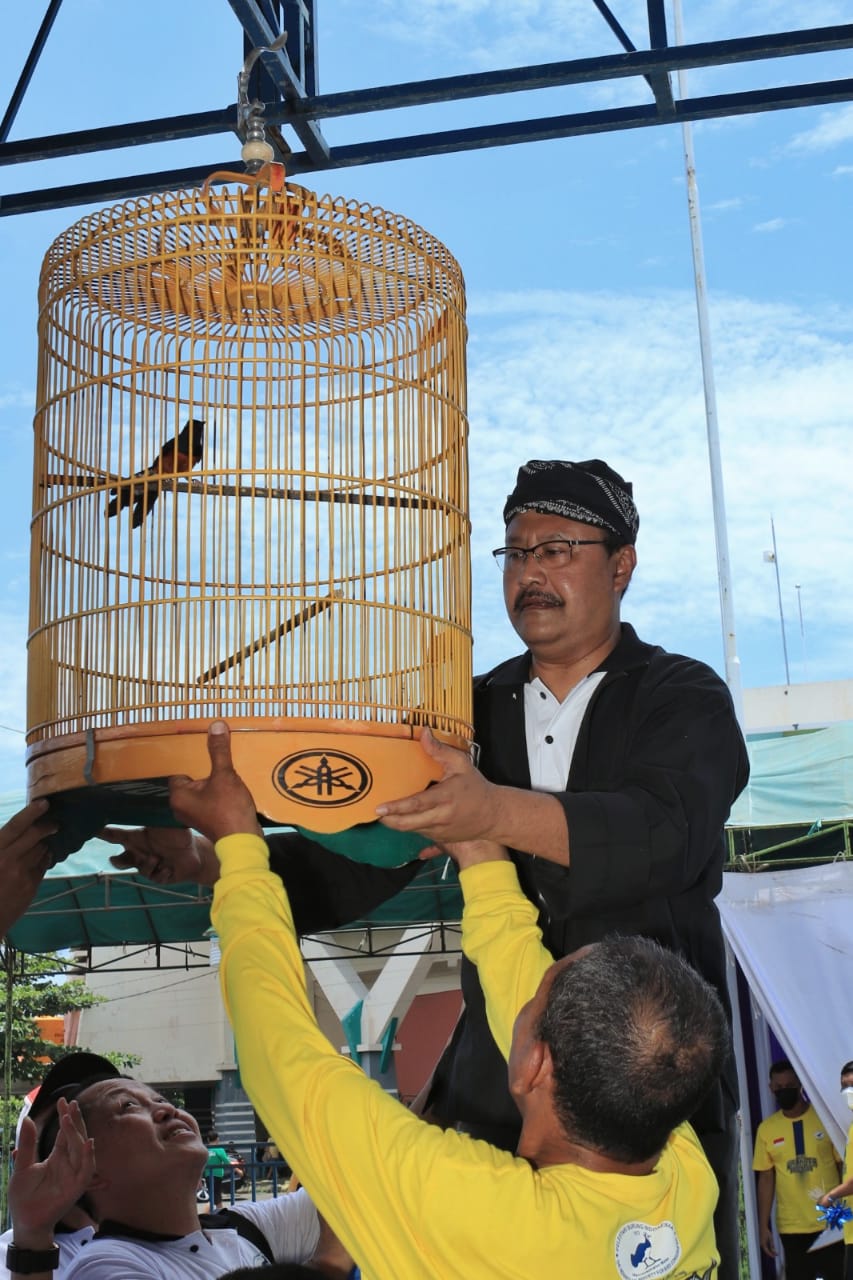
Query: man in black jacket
point(608, 768)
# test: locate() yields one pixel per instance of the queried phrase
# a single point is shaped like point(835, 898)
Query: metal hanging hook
point(256, 151)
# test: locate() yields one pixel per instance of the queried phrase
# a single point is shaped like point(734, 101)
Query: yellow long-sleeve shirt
point(411, 1201)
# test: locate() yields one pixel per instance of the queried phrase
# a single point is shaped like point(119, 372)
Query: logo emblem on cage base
point(322, 779)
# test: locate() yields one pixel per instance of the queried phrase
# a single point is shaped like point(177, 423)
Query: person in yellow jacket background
point(796, 1163)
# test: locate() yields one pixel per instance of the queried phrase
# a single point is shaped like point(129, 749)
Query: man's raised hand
point(467, 853)
point(166, 855)
point(221, 804)
point(24, 858)
point(41, 1192)
point(463, 805)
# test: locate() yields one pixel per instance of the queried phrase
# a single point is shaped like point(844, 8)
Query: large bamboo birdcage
point(298, 562)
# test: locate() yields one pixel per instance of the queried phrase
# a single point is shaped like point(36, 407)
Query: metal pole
point(745, 1136)
point(29, 67)
point(802, 631)
point(732, 661)
point(779, 597)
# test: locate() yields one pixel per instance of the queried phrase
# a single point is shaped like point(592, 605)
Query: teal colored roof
point(85, 902)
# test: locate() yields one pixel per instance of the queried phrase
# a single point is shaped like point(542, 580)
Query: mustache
point(528, 594)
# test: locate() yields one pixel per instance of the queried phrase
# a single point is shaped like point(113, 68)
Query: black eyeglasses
point(555, 554)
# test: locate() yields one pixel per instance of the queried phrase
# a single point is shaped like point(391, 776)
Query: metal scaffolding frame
point(284, 80)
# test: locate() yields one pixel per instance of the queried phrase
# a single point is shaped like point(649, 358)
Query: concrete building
point(792, 707)
point(173, 1019)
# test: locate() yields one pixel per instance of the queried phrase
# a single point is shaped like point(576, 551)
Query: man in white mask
point(796, 1162)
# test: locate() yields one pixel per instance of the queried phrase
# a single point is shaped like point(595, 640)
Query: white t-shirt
point(70, 1243)
point(289, 1223)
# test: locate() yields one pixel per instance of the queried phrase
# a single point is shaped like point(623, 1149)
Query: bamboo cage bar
point(250, 500)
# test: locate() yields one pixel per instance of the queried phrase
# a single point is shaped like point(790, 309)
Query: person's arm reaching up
point(24, 858)
point(499, 934)
point(326, 890)
point(384, 1180)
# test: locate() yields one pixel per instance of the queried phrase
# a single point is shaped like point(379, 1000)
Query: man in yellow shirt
point(796, 1164)
point(608, 1051)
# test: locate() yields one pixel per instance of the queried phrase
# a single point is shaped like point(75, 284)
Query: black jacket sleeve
point(327, 890)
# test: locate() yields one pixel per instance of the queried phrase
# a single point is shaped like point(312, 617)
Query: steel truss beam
point(291, 74)
point(29, 67)
point(452, 140)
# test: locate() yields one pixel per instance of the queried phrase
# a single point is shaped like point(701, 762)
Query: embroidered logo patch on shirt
point(801, 1164)
point(778, 1142)
point(643, 1250)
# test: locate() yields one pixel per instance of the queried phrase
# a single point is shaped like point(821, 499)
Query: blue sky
point(581, 310)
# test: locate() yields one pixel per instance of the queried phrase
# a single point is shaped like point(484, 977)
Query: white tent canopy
point(792, 934)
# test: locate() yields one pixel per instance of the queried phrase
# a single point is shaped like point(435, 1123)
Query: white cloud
point(487, 34)
point(618, 376)
point(492, 33)
point(726, 206)
point(773, 224)
point(832, 129)
point(521, 29)
point(842, 170)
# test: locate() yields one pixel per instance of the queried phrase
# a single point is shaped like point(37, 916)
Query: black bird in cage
point(177, 457)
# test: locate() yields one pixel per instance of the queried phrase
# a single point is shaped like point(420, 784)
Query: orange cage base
point(322, 777)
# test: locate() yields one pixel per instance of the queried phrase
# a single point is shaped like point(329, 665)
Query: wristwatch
point(29, 1262)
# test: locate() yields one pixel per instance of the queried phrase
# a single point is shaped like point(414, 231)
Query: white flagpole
point(732, 661)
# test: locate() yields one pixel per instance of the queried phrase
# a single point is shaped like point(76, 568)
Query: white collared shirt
point(551, 729)
point(289, 1222)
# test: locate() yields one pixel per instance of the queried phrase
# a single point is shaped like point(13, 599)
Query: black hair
point(613, 542)
point(780, 1065)
point(847, 1069)
point(637, 1038)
